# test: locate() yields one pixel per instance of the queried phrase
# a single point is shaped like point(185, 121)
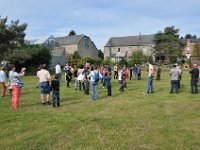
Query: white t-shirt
point(151, 71)
point(58, 69)
point(43, 75)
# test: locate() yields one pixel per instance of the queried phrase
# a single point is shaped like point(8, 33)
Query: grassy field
point(131, 120)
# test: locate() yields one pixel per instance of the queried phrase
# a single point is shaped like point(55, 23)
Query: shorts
point(44, 88)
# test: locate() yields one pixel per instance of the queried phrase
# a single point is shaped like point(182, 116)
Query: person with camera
point(16, 85)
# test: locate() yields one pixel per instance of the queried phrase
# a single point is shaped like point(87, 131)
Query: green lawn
point(131, 120)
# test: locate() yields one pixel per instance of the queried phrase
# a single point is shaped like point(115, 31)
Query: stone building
point(122, 47)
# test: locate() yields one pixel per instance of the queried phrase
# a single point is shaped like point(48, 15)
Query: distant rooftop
point(131, 40)
point(74, 39)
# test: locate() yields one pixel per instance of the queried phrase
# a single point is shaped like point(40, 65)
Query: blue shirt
point(135, 69)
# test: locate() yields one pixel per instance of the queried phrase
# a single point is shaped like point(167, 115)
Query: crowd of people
point(86, 78)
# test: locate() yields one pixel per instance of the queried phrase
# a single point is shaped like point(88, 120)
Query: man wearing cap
point(3, 81)
point(194, 79)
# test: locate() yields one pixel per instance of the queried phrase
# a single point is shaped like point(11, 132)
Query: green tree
point(168, 43)
point(72, 32)
point(100, 54)
point(123, 62)
point(189, 36)
point(30, 56)
point(137, 57)
point(11, 36)
point(76, 55)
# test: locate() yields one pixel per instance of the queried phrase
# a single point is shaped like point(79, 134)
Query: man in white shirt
point(58, 71)
point(44, 79)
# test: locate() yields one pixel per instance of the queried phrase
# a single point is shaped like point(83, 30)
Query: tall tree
point(100, 54)
point(189, 36)
point(11, 35)
point(168, 43)
point(72, 32)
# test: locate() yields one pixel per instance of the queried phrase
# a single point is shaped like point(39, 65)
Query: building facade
point(80, 43)
point(62, 47)
point(122, 47)
point(189, 48)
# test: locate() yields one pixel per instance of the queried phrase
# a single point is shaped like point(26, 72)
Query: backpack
point(96, 77)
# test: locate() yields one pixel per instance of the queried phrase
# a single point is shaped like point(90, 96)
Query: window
point(118, 49)
point(86, 43)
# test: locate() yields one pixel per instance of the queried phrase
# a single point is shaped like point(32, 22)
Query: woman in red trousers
point(16, 90)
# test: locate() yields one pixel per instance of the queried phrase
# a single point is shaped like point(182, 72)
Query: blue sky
point(102, 19)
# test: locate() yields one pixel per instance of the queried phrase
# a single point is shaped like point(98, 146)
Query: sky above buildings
point(102, 19)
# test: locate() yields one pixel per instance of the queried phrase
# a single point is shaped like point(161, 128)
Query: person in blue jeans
point(93, 84)
point(135, 71)
point(194, 79)
point(107, 80)
point(150, 86)
point(55, 88)
point(174, 75)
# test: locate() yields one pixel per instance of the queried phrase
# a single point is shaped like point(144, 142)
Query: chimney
point(140, 37)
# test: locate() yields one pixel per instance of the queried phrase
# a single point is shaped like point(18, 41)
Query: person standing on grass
point(86, 81)
point(121, 80)
point(16, 90)
point(139, 72)
point(68, 77)
point(81, 78)
point(125, 72)
point(179, 77)
point(150, 86)
point(44, 79)
point(194, 79)
point(174, 73)
point(158, 73)
point(131, 72)
point(116, 71)
point(94, 83)
point(58, 71)
point(3, 78)
point(135, 71)
point(107, 79)
point(55, 88)
point(75, 77)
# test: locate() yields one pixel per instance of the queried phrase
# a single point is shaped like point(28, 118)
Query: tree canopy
point(11, 35)
point(168, 43)
point(72, 32)
point(30, 56)
point(137, 57)
point(100, 54)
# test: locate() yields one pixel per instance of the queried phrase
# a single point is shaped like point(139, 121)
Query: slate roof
point(131, 40)
point(66, 40)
